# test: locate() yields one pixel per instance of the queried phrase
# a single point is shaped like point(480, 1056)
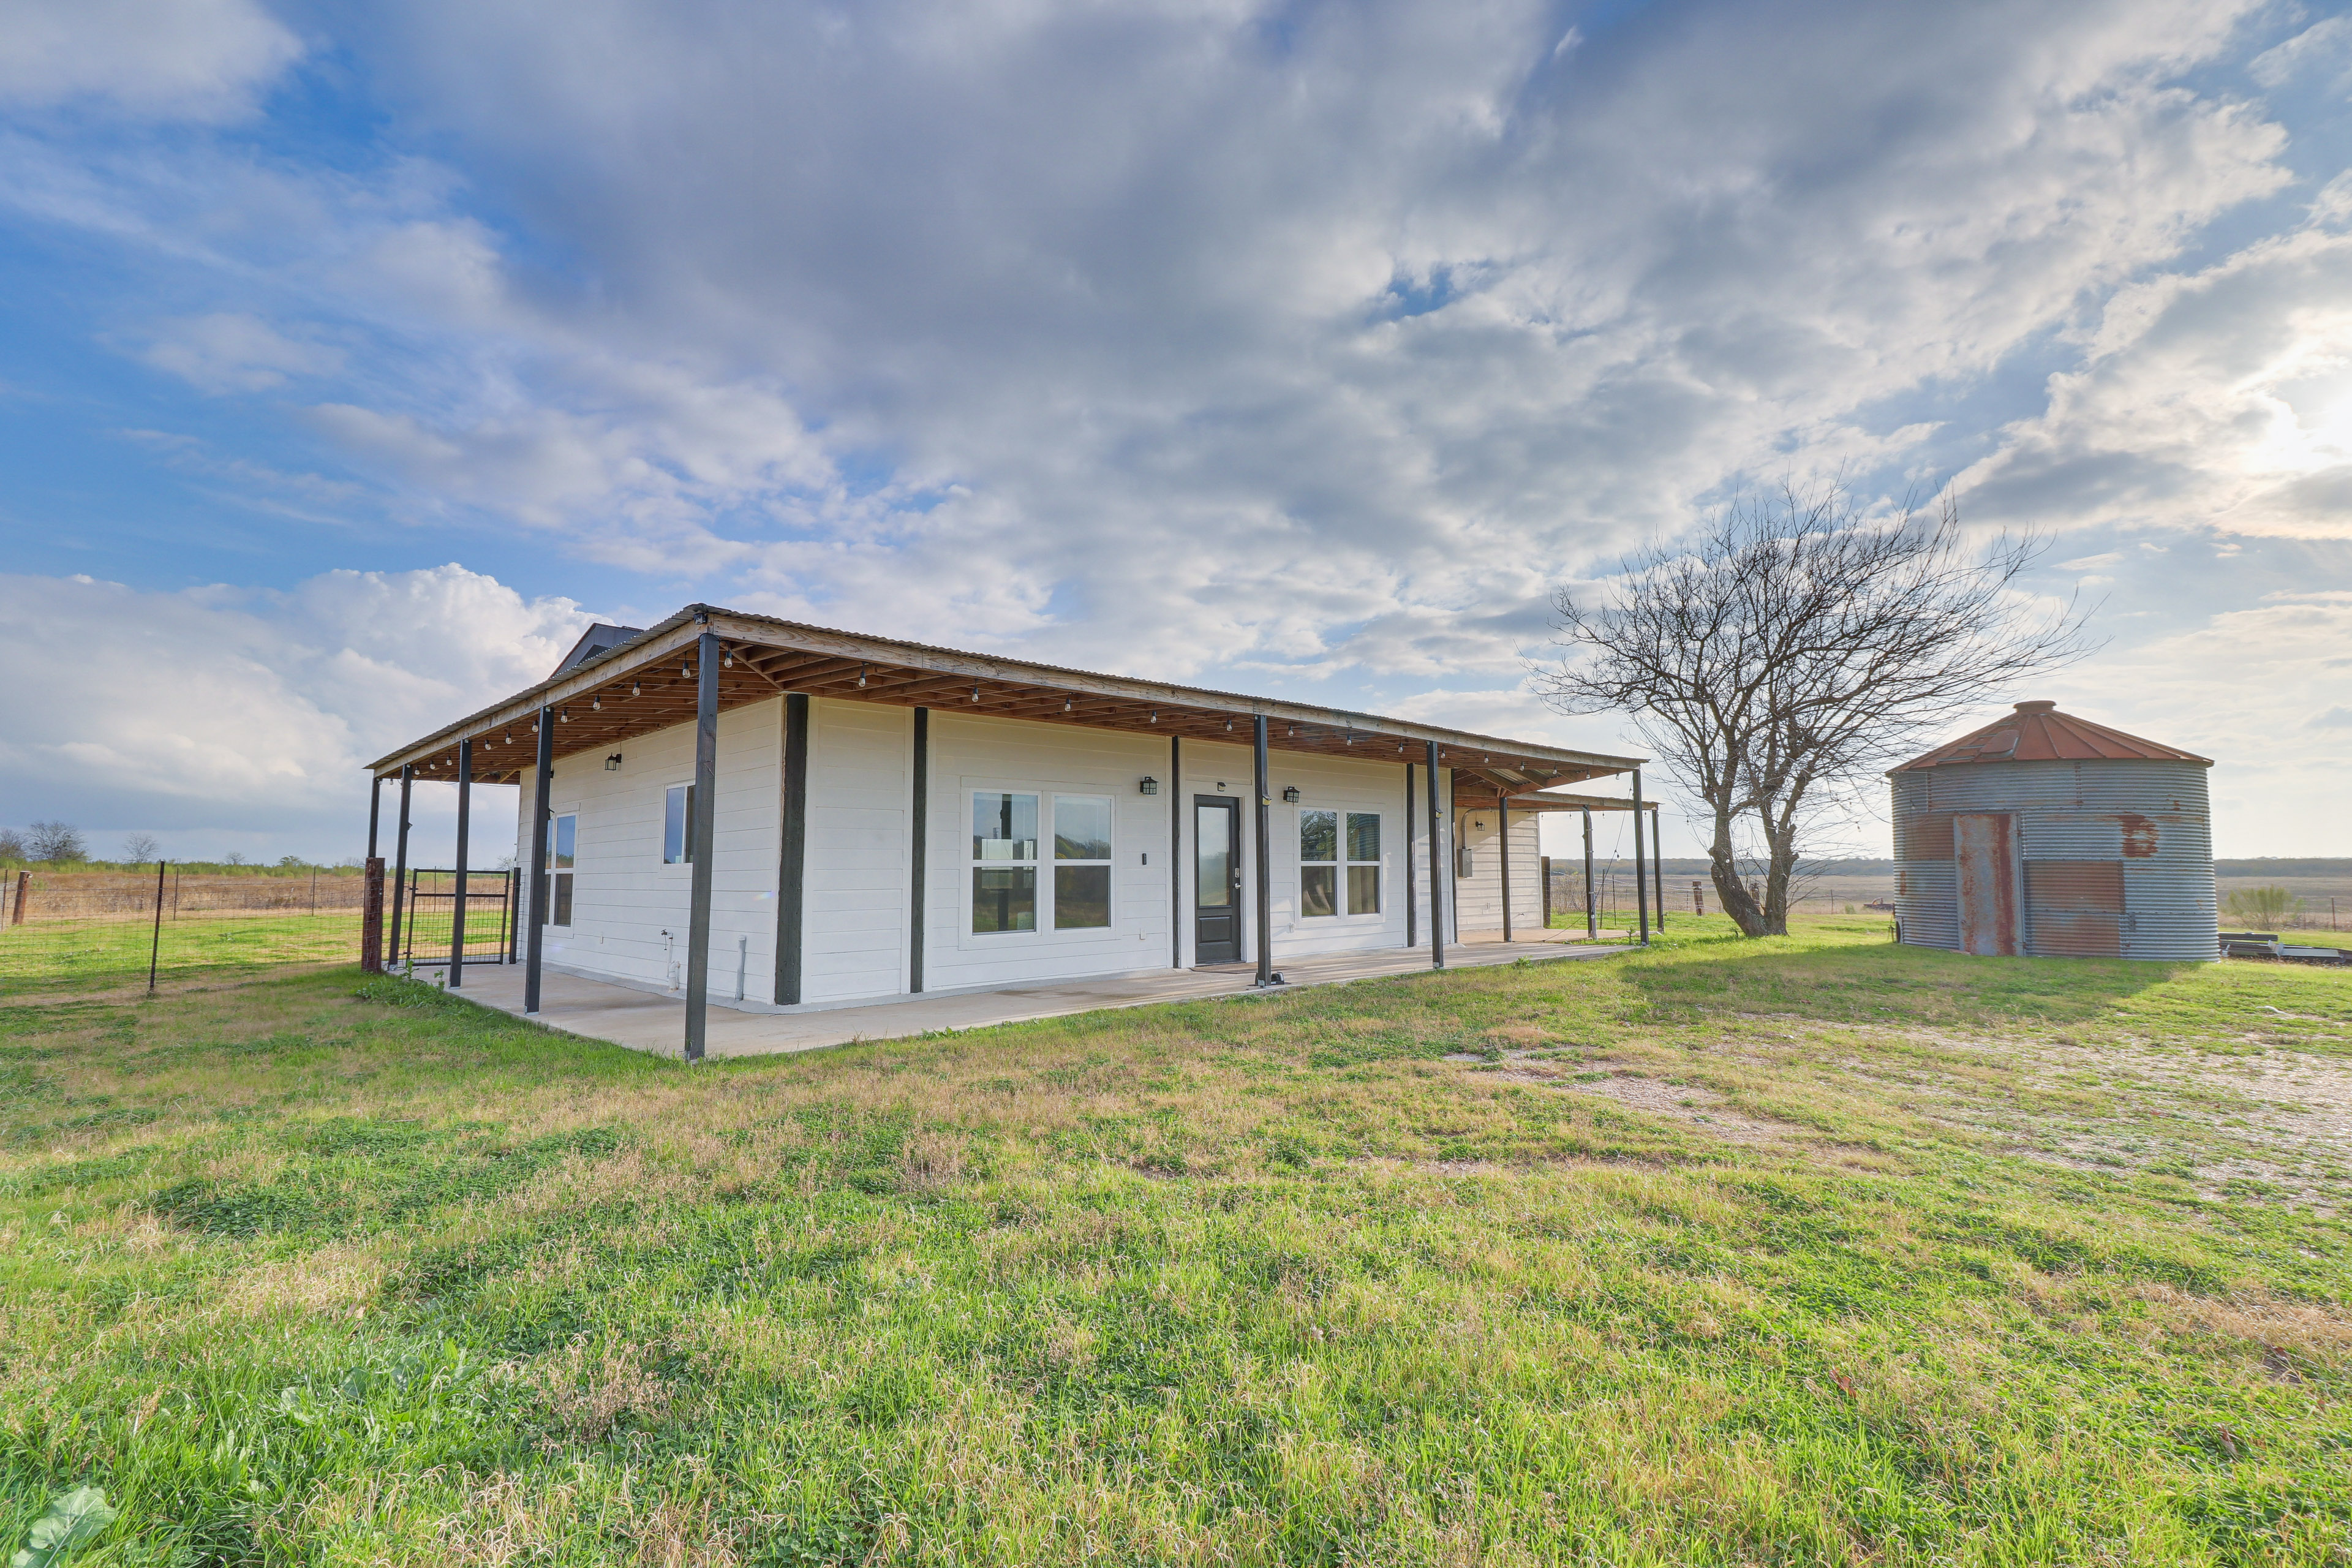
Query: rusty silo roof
point(2038, 733)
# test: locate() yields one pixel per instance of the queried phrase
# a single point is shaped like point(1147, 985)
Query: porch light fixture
point(975, 694)
point(564, 715)
point(1155, 715)
point(1290, 794)
point(727, 661)
point(613, 764)
point(1066, 705)
point(633, 688)
point(1228, 726)
point(861, 678)
point(1148, 785)
point(596, 703)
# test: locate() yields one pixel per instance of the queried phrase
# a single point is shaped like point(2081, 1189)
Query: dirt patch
point(1693, 1104)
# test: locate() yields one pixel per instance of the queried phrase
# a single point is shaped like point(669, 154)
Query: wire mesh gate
point(429, 910)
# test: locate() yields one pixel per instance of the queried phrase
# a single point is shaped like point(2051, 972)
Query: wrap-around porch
point(646, 1019)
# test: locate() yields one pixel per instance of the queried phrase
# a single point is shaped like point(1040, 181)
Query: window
point(1004, 861)
point(1363, 862)
point(1319, 871)
point(1324, 856)
point(562, 840)
point(1081, 862)
point(677, 826)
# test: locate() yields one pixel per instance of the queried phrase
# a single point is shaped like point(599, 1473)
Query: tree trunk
point(1722, 866)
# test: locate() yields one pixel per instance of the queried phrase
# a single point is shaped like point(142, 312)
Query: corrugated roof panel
point(2038, 733)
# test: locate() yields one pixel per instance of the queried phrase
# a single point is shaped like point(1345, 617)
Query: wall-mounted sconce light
point(1290, 794)
point(1148, 785)
point(613, 764)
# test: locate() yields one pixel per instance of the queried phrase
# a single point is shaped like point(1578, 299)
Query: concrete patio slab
point(655, 1021)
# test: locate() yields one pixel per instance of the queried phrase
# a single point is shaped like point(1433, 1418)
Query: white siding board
point(623, 895)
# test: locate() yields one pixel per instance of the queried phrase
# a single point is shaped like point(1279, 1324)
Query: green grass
point(49, 957)
point(1808, 1250)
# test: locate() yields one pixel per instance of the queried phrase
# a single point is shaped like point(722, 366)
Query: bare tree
point(141, 847)
point(13, 846)
point(1795, 648)
point(56, 842)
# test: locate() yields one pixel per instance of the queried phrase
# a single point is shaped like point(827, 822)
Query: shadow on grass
point(1879, 981)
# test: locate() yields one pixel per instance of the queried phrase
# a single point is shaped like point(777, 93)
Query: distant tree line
point(61, 844)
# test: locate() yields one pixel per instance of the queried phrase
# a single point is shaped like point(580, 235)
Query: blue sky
point(352, 357)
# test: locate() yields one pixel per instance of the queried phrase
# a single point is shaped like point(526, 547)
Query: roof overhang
point(641, 686)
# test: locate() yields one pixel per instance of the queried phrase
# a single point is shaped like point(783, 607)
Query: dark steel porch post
point(400, 862)
point(465, 820)
point(919, 833)
point(534, 939)
point(1176, 851)
point(704, 828)
point(375, 809)
point(1658, 865)
point(1411, 915)
point(1503, 860)
point(1437, 870)
point(1641, 881)
point(1265, 856)
point(1592, 915)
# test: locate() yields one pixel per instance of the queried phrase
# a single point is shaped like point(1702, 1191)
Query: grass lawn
point(1807, 1250)
point(49, 957)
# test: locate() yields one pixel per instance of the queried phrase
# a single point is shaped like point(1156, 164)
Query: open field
point(1808, 1250)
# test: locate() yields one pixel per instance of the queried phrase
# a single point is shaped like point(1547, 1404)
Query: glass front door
point(1217, 880)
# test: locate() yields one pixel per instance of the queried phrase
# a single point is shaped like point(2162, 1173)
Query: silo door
point(1984, 843)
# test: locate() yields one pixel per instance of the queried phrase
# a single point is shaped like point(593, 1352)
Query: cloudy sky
point(354, 357)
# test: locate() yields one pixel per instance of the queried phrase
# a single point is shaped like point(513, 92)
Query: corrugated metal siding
point(2151, 819)
point(2075, 907)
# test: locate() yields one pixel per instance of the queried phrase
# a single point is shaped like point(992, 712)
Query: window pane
point(1003, 898)
point(1004, 828)
point(1317, 885)
point(1081, 897)
point(562, 900)
point(1212, 827)
point(1319, 835)
point(1081, 828)
point(567, 831)
point(674, 825)
point(1363, 835)
point(1363, 889)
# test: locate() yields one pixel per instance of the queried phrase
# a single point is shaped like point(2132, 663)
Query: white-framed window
point(1003, 860)
point(1338, 857)
point(1081, 862)
point(562, 847)
point(677, 825)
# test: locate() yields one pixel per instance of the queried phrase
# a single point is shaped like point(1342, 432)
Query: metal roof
point(2038, 733)
point(642, 685)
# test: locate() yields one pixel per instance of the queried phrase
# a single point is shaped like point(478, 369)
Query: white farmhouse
point(778, 817)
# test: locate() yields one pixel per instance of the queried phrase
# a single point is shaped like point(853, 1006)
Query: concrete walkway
point(655, 1021)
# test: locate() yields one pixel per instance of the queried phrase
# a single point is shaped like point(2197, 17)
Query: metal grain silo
point(2045, 834)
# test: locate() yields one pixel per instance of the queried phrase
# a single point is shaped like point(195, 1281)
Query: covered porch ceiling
point(643, 686)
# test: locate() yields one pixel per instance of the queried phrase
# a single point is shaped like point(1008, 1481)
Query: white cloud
point(223, 352)
point(2221, 399)
point(2324, 45)
point(224, 711)
point(197, 60)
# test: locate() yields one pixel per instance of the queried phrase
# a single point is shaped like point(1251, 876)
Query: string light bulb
point(861, 678)
point(596, 703)
point(633, 688)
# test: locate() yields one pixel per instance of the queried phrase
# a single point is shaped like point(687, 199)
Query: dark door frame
point(1231, 949)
